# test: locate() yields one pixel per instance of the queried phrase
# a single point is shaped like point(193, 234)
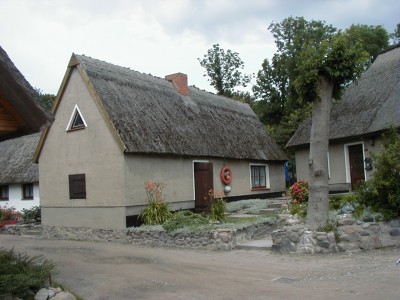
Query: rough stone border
point(218, 239)
point(352, 235)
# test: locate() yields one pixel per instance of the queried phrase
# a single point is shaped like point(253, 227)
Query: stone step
point(274, 205)
point(268, 211)
point(34, 232)
point(263, 244)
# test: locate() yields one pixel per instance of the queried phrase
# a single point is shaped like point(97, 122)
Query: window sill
point(3, 199)
point(260, 189)
point(27, 198)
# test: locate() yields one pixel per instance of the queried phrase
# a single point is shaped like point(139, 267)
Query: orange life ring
point(226, 175)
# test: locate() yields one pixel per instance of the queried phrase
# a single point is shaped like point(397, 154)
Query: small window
point(76, 121)
point(27, 191)
point(259, 175)
point(3, 192)
point(77, 186)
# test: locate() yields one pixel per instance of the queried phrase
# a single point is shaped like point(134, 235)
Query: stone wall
point(217, 239)
point(351, 235)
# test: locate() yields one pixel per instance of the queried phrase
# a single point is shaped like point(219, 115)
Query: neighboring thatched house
point(116, 128)
point(19, 176)
point(357, 121)
point(21, 111)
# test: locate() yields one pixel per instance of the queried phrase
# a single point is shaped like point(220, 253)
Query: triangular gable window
point(76, 121)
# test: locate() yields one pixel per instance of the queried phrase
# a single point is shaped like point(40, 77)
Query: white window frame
point(267, 182)
point(71, 119)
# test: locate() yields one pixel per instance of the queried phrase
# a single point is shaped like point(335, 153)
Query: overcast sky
point(161, 37)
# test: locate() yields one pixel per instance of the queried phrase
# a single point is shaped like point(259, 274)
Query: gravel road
point(116, 271)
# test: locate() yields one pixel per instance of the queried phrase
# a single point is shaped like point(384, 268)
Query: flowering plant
point(299, 191)
point(217, 205)
point(156, 211)
point(8, 215)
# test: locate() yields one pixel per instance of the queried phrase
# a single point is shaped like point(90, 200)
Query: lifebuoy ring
point(226, 175)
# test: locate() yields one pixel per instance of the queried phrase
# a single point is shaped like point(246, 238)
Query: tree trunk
point(318, 201)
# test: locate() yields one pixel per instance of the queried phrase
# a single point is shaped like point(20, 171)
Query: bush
point(184, 218)
point(217, 205)
point(251, 206)
point(157, 210)
point(299, 191)
point(8, 215)
point(299, 209)
point(22, 276)
point(382, 192)
point(31, 214)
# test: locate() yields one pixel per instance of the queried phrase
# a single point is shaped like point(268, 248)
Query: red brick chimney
point(180, 82)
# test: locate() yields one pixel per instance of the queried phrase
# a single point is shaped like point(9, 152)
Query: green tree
point(278, 99)
point(323, 70)
point(224, 70)
point(373, 39)
point(395, 36)
point(46, 99)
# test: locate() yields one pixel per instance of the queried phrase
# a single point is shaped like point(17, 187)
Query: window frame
point(28, 196)
point(7, 189)
point(74, 115)
point(76, 189)
point(255, 187)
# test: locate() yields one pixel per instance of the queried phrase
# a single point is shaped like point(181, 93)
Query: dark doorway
point(356, 165)
point(203, 182)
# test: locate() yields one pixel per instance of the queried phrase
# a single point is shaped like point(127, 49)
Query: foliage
point(382, 192)
point(46, 99)
point(217, 205)
point(21, 275)
point(279, 80)
point(299, 191)
point(8, 215)
point(299, 209)
point(337, 58)
point(184, 218)
point(224, 70)
point(373, 39)
point(31, 214)
point(395, 36)
point(157, 210)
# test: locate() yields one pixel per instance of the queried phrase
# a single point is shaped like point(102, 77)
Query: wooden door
point(356, 165)
point(203, 182)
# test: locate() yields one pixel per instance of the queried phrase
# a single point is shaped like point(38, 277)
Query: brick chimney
point(180, 82)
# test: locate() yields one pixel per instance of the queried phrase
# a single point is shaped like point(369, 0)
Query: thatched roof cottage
point(357, 121)
point(21, 113)
point(116, 128)
point(19, 176)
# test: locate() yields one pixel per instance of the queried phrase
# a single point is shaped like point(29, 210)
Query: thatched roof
point(17, 91)
point(16, 160)
point(151, 117)
point(367, 106)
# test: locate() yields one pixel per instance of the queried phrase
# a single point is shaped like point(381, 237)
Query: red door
point(203, 182)
point(356, 165)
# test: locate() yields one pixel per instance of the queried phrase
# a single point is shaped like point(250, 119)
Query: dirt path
point(115, 271)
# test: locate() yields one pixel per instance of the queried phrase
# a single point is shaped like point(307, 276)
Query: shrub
point(299, 191)
point(157, 210)
point(184, 218)
point(217, 206)
point(31, 214)
point(382, 192)
point(248, 206)
point(8, 215)
point(21, 275)
point(299, 209)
